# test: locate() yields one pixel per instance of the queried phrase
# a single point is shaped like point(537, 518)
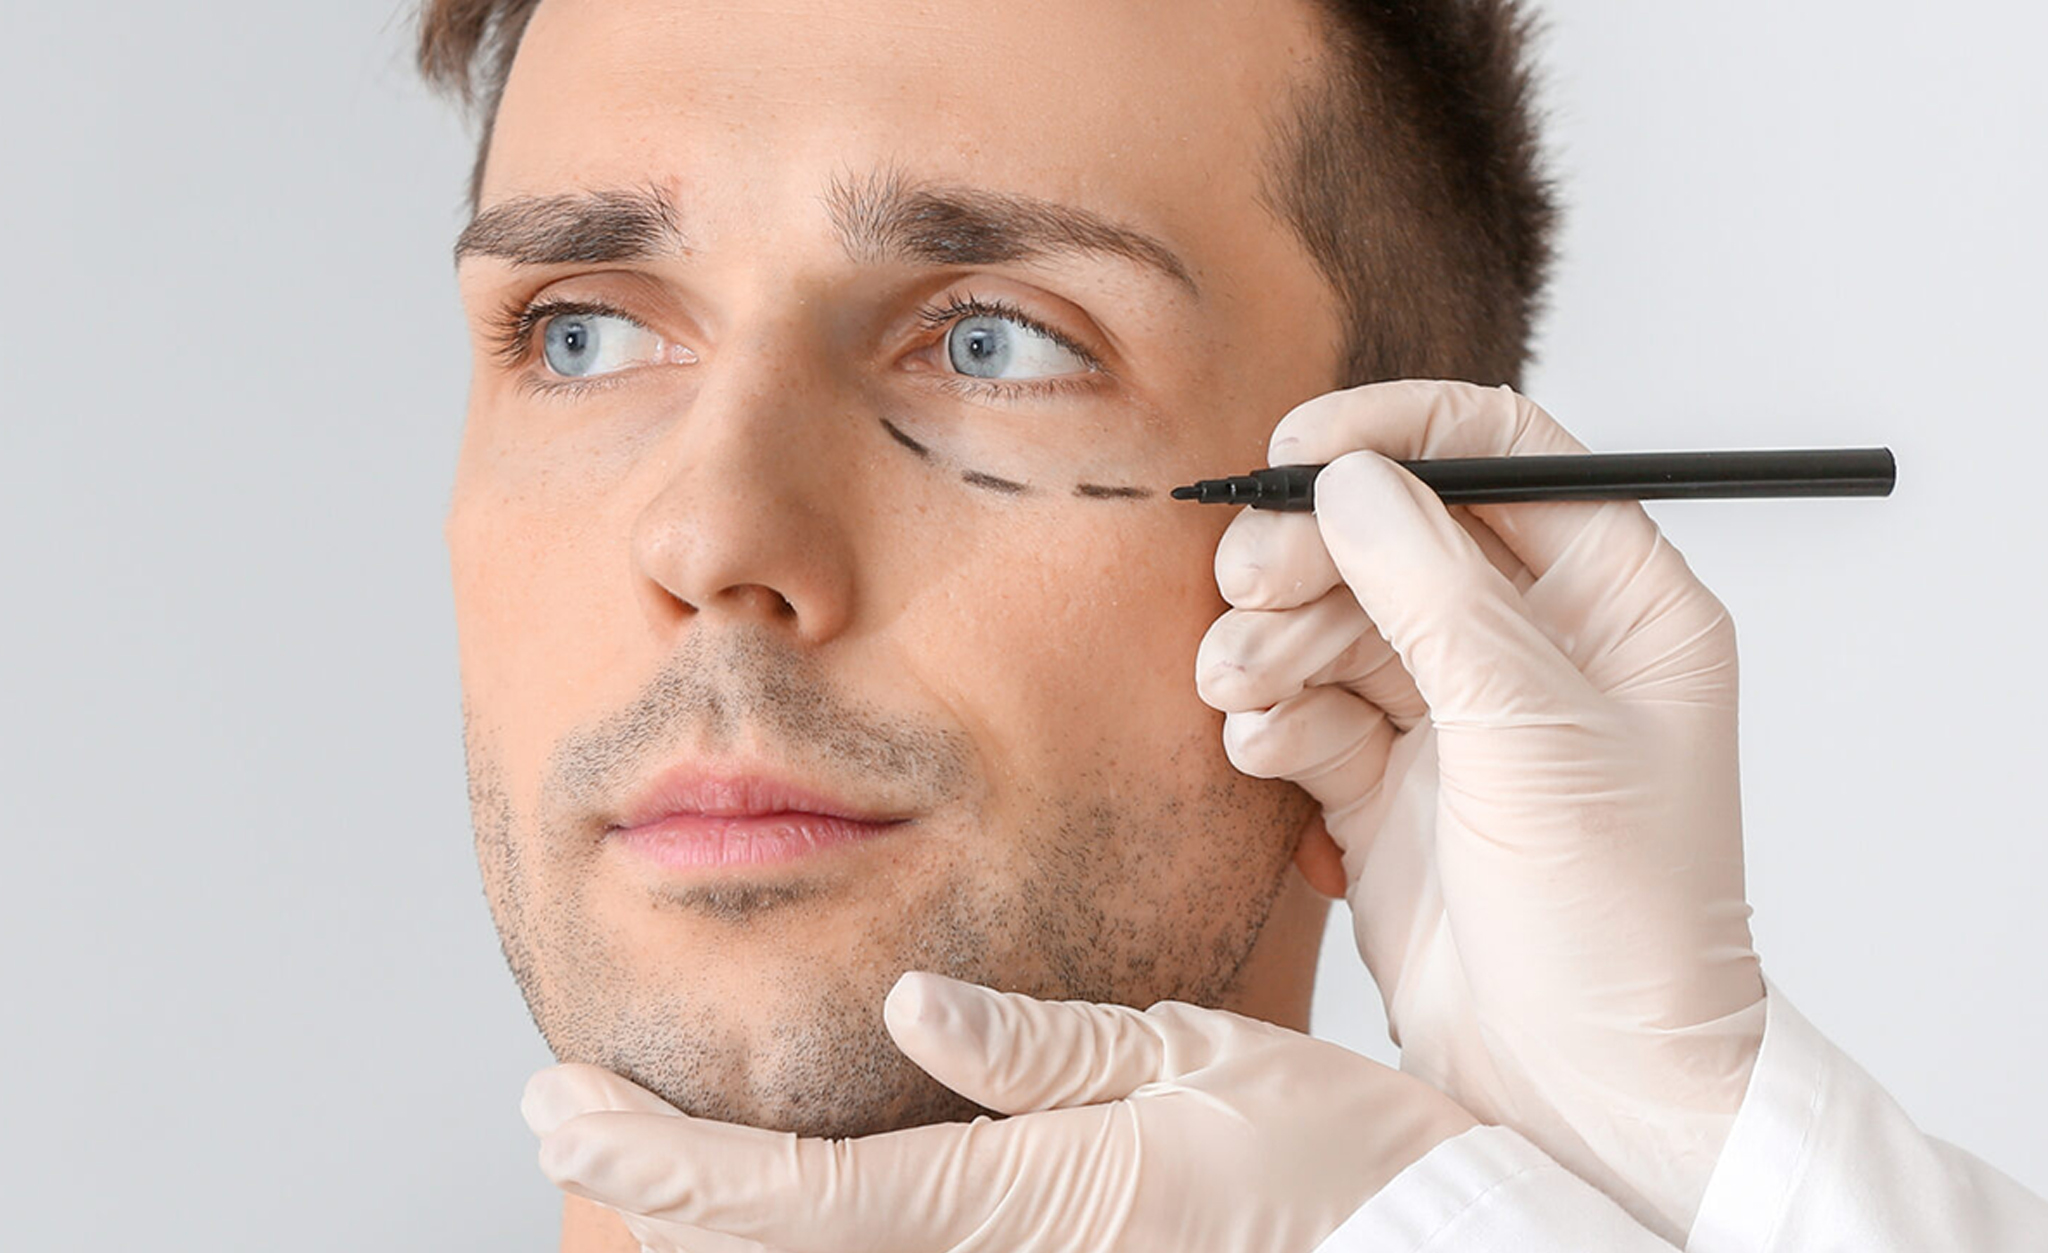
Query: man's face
point(834, 457)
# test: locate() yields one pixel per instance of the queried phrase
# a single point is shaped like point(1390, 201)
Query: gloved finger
point(1013, 1053)
point(1461, 629)
point(1410, 418)
point(919, 1190)
point(1495, 548)
point(1254, 658)
point(1326, 740)
point(1250, 658)
point(1370, 667)
point(1272, 560)
point(558, 1093)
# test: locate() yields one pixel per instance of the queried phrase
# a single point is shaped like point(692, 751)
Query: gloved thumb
point(1013, 1053)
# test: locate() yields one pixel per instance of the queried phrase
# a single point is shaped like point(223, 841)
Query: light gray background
point(252, 994)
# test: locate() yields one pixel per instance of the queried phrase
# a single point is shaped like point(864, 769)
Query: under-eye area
point(975, 478)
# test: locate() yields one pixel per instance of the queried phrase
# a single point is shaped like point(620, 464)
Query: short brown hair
point(1409, 169)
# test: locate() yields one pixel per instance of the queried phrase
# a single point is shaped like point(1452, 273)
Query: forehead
point(1153, 111)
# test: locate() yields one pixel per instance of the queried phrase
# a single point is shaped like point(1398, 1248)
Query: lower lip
point(703, 841)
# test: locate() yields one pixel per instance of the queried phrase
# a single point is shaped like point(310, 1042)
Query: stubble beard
point(1061, 927)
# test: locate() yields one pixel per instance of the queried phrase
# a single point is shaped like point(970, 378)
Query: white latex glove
point(1178, 1128)
point(1521, 725)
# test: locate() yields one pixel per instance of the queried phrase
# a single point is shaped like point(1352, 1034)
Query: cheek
point(1073, 641)
point(528, 606)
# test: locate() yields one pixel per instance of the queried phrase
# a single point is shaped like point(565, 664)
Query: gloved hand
point(1176, 1128)
point(1520, 721)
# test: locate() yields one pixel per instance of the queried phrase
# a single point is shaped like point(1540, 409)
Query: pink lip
point(691, 818)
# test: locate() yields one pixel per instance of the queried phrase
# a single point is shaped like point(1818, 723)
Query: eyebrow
point(590, 227)
point(889, 217)
point(884, 217)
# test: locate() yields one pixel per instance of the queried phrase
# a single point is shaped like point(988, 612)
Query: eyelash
point(511, 336)
point(935, 318)
point(512, 329)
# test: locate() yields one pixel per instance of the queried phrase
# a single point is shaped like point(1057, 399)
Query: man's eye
point(579, 345)
point(1001, 348)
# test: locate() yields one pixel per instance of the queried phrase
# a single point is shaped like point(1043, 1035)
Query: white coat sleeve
point(1819, 1158)
point(1488, 1190)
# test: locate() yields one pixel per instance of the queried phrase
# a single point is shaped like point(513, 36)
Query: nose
point(748, 523)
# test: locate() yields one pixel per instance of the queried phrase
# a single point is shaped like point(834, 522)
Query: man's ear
point(1319, 859)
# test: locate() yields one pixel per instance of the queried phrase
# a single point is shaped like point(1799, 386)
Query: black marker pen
point(1589, 476)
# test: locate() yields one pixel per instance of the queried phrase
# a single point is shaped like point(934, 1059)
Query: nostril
point(762, 601)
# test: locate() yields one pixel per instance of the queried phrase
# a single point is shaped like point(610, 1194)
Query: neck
point(590, 1228)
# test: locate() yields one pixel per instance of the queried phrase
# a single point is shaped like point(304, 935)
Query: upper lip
point(733, 792)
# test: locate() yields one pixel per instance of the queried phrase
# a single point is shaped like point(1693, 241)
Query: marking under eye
point(922, 452)
point(992, 483)
point(1100, 491)
point(976, 478)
